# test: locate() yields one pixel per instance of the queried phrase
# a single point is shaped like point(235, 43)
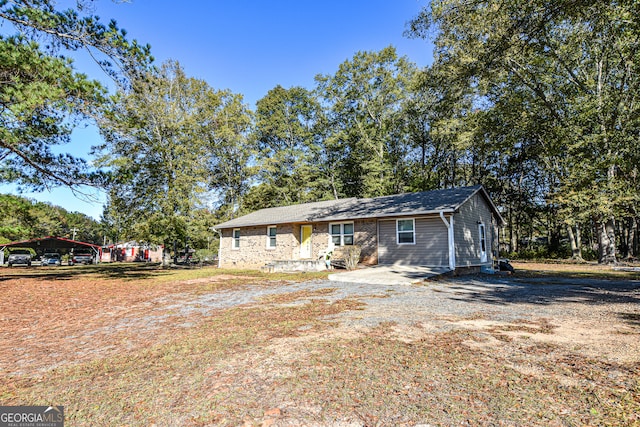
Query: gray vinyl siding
point(430, 248)
point(466, 234)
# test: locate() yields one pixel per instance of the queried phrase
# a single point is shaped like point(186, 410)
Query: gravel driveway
point(499, 298)
point(592, 316)
point(576, 339)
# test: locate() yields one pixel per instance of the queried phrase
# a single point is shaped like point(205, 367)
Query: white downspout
point(219, 246)
point(452, 247)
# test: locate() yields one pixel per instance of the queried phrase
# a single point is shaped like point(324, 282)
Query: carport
point(51, 243)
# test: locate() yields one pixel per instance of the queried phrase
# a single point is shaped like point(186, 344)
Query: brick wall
point(253, 252)
point(366, 236)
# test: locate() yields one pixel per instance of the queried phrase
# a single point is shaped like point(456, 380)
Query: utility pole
point(74, 233)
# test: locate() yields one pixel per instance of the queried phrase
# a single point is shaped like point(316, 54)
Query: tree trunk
point(513, 238)
point(576, 251)
point(630, 235)
point(579, 241)
point(333, 187)
point(610, 228)
point(510, 240)
point(636, 243)
point(606, 241)
point(621, 231)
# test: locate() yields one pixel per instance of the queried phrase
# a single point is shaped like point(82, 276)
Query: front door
point(305, 241)
point(483, 243)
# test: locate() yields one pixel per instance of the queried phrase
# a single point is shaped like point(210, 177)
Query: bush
point(206, 255)
point(544, 253)
point(351, 256)
point(532, 254)
point(588, 254)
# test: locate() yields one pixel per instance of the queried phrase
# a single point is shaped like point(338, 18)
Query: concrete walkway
point(388, 274)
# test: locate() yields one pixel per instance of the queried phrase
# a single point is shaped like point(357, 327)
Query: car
point(51, 259)
point(19, 256)
point(81, 258)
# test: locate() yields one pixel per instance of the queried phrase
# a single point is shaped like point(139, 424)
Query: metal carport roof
point(50, 242)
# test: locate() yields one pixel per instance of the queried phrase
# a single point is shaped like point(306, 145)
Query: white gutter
point(452, 247)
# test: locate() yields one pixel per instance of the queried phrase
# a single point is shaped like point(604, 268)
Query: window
point(271, 237)
point(405, 231)
point(341, 234)
point(236, 238)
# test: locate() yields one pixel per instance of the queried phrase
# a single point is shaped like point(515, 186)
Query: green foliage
point(156, 163)
point(206, 256)
point(25, 219)
point(230, 150)
point(75, 29)
point(289, 147)
point(536, 100)
point(553, 88)
point(42, 97)
point(366, 131)
point(40, 100)
point(163, 138)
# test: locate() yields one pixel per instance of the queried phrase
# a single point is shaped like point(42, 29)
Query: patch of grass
point(542, 326)
point(206, 375)
point(300, 276)
point(235, 366)
point(572, 271)
point(443, 382)
point(152, 273)
point(295, 296)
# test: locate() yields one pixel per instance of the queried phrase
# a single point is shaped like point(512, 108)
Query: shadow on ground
point(122, 271)
point(548, 291)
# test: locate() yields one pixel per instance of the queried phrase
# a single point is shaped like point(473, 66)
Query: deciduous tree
point(288, 146)
point(157, 148)
point(563, 78)
point(366, 128)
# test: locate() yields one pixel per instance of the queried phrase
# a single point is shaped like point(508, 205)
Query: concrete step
point(294, 265)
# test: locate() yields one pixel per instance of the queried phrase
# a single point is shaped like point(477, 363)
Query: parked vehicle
point(51, 259)
point(81, 258)
point(19, 257)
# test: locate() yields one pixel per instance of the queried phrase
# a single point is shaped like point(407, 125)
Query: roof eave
point(345, 218)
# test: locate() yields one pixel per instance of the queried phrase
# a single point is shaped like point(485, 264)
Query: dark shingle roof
point(407, 204)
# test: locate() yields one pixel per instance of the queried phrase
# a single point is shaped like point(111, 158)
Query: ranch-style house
point(453, 228)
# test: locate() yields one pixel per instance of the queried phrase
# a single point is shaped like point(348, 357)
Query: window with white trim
point(271, 237)
point(406, 231)
point(236, 238)
point(341, 233)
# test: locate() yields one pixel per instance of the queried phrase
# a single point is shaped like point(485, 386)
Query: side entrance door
point(305, 241)
point(483, 243)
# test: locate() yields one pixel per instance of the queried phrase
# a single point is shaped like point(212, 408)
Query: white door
point(305, 241)
point(483, 243)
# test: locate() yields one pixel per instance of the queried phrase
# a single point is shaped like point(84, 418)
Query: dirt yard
point(132, 345)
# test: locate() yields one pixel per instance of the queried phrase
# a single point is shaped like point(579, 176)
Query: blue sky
point(248, 47)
